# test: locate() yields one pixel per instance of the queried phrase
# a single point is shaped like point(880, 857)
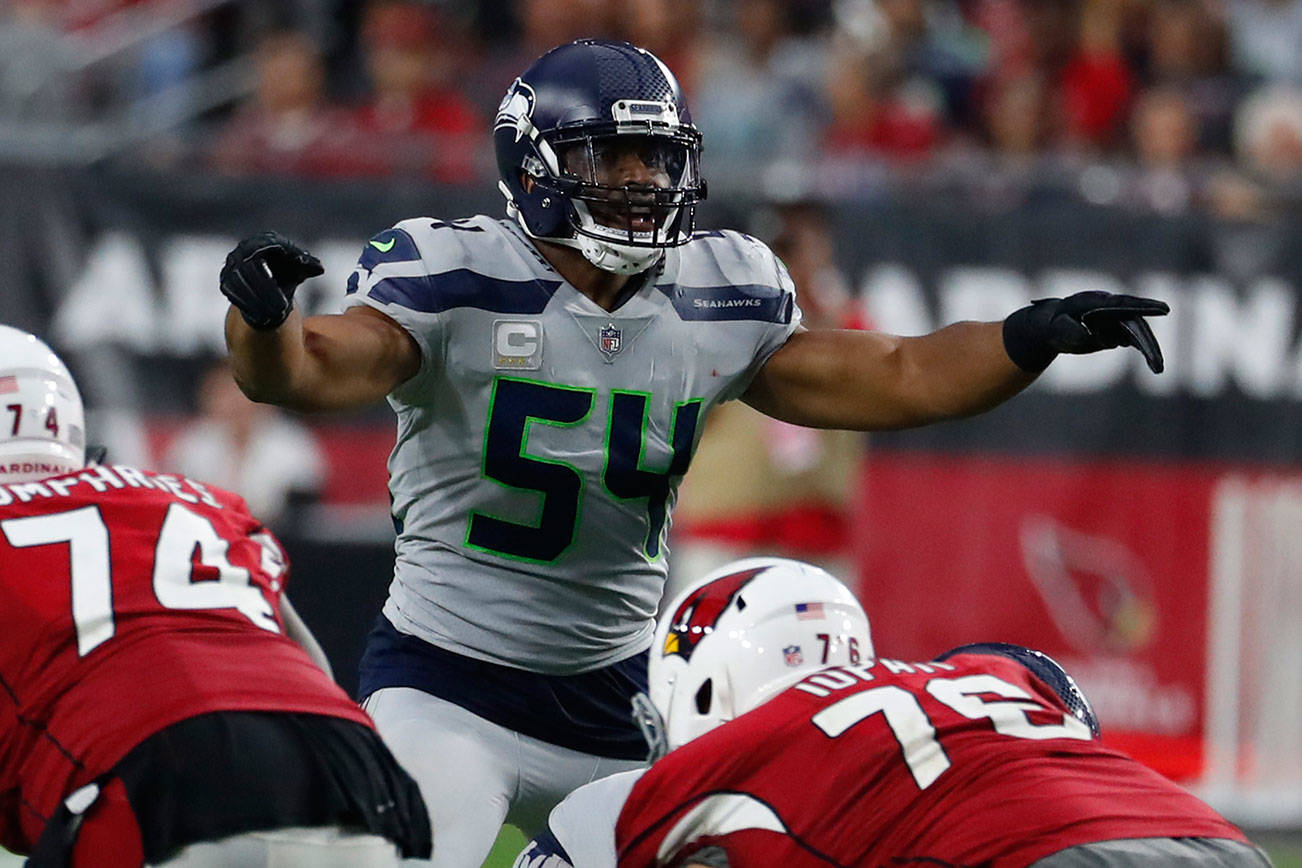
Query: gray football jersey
point(541, 443)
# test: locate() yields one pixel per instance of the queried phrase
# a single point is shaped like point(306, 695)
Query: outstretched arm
point(313, 363)
point(867, 381)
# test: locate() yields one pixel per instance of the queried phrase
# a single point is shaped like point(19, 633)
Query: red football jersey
point(968, 762)
point(130, 601)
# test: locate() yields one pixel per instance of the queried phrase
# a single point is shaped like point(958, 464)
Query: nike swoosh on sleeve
point(386, 246)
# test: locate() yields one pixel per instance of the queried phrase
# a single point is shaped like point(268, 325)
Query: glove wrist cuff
point(1025, 340)
point(265, 325)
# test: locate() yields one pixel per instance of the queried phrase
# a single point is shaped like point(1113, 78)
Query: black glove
point(1082, 323)
point(261, 274)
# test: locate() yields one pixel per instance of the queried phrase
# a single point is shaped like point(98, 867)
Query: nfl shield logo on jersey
point(791, 654)
point(610, 339)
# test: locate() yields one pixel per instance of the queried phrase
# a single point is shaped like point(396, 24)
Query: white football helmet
point(737, 638)
point(42, 423)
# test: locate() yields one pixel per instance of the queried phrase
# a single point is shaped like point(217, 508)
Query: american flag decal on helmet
point(8, 385)
point(809, 612)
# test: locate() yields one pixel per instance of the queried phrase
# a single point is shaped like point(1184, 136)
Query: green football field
point(508, 846)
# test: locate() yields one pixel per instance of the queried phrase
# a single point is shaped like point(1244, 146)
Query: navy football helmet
point(596, 150)
point(1045, 668)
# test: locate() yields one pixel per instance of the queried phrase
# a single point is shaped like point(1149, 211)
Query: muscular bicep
point(362, 354)
point(338, 362)
point(831, 378)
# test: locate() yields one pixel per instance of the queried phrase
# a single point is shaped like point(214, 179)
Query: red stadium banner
point(1103, 564)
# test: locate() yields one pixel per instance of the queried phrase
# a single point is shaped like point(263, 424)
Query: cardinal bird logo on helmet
point(696, 617)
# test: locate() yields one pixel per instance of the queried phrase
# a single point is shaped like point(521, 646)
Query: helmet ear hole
point(704, 696)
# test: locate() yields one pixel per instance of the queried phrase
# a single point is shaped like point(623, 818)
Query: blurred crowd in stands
point(1165, 104)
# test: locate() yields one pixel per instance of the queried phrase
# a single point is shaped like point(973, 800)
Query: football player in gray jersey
point(551, 374)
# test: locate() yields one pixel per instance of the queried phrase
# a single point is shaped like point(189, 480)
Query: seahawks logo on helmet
point(516, 109)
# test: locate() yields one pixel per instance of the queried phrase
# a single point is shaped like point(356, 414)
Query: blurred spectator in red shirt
point(288, 127)
point(1011, 42)
point(415, 120)
point(871, 119)
point(1096, 83)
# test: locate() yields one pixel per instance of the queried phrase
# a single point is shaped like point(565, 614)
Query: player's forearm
point(322, 363)
point(960, 370)
point(267, 364)
point(866, 381)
